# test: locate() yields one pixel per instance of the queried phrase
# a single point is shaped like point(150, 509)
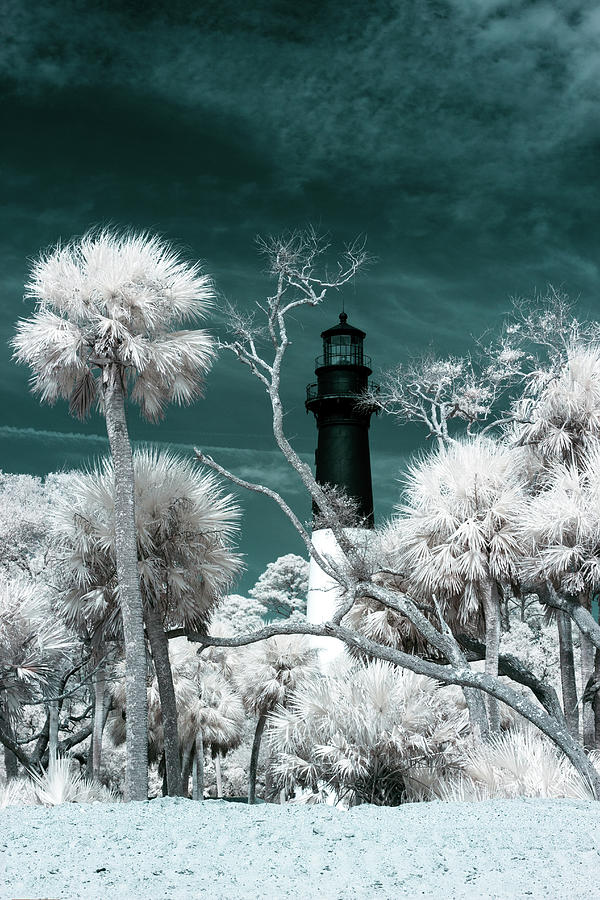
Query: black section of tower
point(342, 455)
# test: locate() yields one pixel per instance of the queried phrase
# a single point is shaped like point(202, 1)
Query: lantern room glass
point(343, 349)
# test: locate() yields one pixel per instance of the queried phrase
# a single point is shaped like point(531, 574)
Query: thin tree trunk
point(260, 727)
point(198, 769)
point(587, 667)
point(596, 702)
point(503, 594)
point(476, 705)
point(130, 596)
point(89, 766)
point(195, 777)
point(41, 743)
point(53, 735)
point(492, 644)
point(99, 719)
point(219, 775)
point(159, 645)
point(567, 673)
point(162, 767)
point(186, 764)
point(10, 760)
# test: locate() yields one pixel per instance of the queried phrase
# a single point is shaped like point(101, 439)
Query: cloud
point(461, 135)
point(339, 88)
point(263, 466)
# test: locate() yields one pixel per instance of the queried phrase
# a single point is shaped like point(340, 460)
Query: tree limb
point(513, 668)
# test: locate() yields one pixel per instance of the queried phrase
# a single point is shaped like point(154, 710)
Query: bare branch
point(208, 461)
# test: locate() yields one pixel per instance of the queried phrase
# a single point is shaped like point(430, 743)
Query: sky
point(461, 137)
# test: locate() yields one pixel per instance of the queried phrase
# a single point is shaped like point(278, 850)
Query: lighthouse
point(342, 457)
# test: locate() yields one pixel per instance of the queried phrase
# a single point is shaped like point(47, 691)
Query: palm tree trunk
point(198, 769)
point(159, 645)
point(587, 667)
point(596, 703)
point(99, 719)
point(130, 595)
point(478, 718)
point(219, 775)
point(89, 766)
point(491, 611)
point(186, 764)
point(10, 760)
point(567, 673)
point(53, 734)
point(260, 727)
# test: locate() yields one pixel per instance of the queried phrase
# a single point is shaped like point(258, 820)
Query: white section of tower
point(323, 592)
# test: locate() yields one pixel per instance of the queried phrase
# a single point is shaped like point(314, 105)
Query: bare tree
point(499, 383)
point(437, 392)
point(298, 284)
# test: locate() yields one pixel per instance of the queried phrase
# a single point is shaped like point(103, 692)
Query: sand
point(175, 848)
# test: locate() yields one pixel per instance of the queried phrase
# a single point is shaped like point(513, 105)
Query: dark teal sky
point(462, 137)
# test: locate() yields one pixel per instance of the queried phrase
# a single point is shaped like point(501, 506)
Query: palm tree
point(220, 717)
point(184, 526)
point(561, 528)
point(33, 646)
point(458, 536)
point(106, 305)
point(560, 424)
point(371, 618)
point(265, 675)
point(370, 733)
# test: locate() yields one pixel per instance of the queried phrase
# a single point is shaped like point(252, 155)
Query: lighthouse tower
point(342, 456)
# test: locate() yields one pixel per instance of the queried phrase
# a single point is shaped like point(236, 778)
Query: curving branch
point(463, 676)
point(581, 616)
point(513, 668)
point(210, 463)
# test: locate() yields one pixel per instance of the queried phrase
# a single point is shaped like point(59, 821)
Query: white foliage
point(283, 586)
point(115, 298)
point(185, 527)
point(241, 615)
point(18, 792)
point(561, 413)
point(61, 784)
point(536, 646)
point(369, 732)
point(26, 504)
point(516, 764)
point(220, 710)
point(267, 672)
point(32, 643)
point(457, 528)
point(561, 525)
